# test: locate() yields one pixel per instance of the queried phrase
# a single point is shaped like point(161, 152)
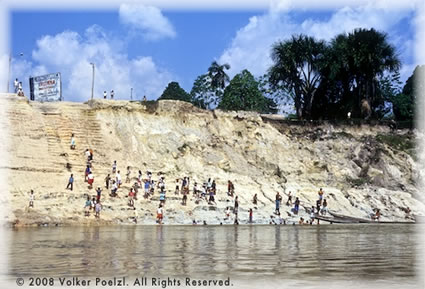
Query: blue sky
point(145, 48)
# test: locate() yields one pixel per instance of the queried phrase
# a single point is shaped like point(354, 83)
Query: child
point(254, 200)
point(90, 180)
point(31, 199)
point(107, 180)
point(131, 197)
point(114, 189)
point(135, 215)
point(99, 192)
point(250, 216)
point(118, 179)
point(70, 182)
point(98, 208)
point(72, 142)
point(162, 197)
point(114, 167)
point(87, 207)
point(177, 187)
point(86, 173)
point(127, 175)
point(159, 215)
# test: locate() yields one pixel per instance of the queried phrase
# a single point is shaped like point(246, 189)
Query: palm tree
point(297, 65)
point(218, 76)
point(365, 56)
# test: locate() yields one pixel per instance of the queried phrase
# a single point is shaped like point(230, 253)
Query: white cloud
point(251, 46)
point(71, 54)
point(148, 20)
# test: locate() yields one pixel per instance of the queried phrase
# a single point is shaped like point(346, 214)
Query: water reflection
point(292, 252)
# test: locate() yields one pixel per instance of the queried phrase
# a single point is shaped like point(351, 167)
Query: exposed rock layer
point(359, 167)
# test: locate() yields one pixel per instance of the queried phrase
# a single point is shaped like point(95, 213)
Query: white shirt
point(118, 177)
point(159, 211)
point(90, 176)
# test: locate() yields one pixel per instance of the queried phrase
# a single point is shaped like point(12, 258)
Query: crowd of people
point(201, 193)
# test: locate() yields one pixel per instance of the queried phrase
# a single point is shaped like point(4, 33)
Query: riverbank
point(359, 167)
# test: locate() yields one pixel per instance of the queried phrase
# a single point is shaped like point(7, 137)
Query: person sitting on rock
point(254, 200)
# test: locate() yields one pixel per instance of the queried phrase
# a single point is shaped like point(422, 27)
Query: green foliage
point(175, 92)
point(297, 65)
point(218, 76)
point(397, 142)
point(202, 94)
point(243, 94)
point(404, 103)
point(358, 182)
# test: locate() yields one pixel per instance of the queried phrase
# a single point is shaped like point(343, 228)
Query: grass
point(343, 134)
point(398, 142)
point(358, 182)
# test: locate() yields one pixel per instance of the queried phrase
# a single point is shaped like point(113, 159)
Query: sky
point(144, 47)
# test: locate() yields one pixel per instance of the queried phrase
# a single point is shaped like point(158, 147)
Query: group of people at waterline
point(201, 194)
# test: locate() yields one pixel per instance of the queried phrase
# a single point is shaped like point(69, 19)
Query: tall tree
point(174, 91)
point(218, 76)
point(404, 103)
point(243, 93)
point(202, 94)
point(368, 57)
point(296, 66)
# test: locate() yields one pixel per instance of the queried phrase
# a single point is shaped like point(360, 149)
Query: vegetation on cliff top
point(356, 73)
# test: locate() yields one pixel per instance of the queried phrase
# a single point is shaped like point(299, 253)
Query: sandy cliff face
point(359, 167)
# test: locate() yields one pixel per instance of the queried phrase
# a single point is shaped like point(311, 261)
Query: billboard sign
point(46, 87)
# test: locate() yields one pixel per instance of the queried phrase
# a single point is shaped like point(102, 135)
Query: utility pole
point(92, 81)
point(131, 94)
point(10, 64)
